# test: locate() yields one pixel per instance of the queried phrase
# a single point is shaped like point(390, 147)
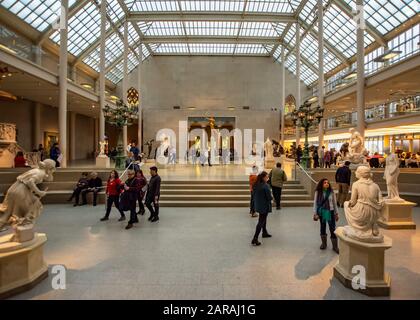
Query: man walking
point(342, 178)
point(277, 177)
point(153, 195)
point(321, 157)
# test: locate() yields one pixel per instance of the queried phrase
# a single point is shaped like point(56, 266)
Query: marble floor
point(205, 254)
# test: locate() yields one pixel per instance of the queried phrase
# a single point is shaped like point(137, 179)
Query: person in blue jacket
point(263, 205)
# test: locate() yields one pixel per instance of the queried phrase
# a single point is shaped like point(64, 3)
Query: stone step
point(223, 191)
point(220, 186)
point(245, 204)
point(194, 182)
point(228, 197)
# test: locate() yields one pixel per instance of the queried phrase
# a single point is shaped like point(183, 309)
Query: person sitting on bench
point(81, 185)
point(95, 184)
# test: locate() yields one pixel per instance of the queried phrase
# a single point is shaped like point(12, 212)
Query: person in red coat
point(143, 182)
point(20, 161)
point(113, 191)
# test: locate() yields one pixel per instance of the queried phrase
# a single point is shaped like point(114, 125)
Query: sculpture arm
point(33, 187)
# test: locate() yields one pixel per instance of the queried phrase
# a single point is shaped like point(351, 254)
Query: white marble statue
point(102, 145)
point(357, 150)
point(22, 204)
point(268, 148)
point(391, 173)
point(364, 208)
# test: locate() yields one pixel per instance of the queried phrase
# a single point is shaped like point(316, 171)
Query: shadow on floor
point(312, 263)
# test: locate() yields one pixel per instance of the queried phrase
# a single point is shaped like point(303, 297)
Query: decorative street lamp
point(305, 118)
point(120, 117)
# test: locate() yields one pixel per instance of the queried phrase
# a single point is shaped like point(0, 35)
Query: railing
point(305, 172)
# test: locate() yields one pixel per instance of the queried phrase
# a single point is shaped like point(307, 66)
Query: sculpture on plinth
point(103, 145)
point(354, 150)
point(268, 148)
point(364, 208)
point(391, 173)
point(22, 204)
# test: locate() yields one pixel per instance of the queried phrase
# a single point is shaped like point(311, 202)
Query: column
point(141, 96)
point(73, 136)
point(102, 71)
point(282, 95)
point(298, 98)
point(38, 55)
point(321, 68)
point(37, 136)
point(125, 81)
point(360, 73)
point(62, 109)
point(96, 134)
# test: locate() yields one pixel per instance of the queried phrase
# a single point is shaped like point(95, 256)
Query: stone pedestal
point(397, 215)
point(103, 162)
point(370, 256)
point(22, 265)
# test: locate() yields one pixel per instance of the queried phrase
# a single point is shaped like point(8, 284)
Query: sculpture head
point(363, 172)
point(47, 165)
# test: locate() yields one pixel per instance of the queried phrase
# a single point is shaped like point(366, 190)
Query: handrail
point(307, 174)
point(126, 169)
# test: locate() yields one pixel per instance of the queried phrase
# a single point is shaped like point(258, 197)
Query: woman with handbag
point(113, 191)
point(326, 211)
point(143, 188)
point(262, 203)
point(129, 197)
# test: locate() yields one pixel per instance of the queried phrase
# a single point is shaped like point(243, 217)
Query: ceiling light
point(191, 108)
point(87, 85)
point(114, 98)
point(351, 75)
point(313, 99)
point(388, 55)
point(231, 108)
point(3, 47)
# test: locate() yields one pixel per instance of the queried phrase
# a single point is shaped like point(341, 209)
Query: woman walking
point(262, 203)
point(113, 190)
point(143, 182)
point(326, 211)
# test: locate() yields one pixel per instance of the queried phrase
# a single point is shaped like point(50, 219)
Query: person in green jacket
point(277, 178)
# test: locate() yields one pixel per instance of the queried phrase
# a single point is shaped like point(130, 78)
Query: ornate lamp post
point(120, 117)
point(305, 117)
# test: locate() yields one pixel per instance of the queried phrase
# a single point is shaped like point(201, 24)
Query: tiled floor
point(205, 254)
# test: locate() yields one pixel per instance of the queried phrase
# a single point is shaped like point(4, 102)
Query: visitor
point(252, 179)
point(81, 185)
point(55, 154)
point(113, 153)
point(327, 159)
point(153, 195)
point(321, 157)
point(315, 157)
point(326, 211)
point(129, 198)
point(129, 160)
point(42, 152)
point(172, 155)
point(277, 178)
point(143, 187)
point(299, 154)
point(262, 202)
point(20, 161)
point(95, 184)
point(134, 150)
point(113, 191)
point(342, 178)
point(374, 160)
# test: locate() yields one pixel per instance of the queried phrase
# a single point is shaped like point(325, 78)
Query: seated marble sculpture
point(364, 208)
point(354, 151)
point(22, 204)
point(391, 173)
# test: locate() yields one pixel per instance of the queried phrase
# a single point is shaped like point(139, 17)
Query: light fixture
point(86, 85)
point(191, 108)
point(3, 47)
point(115, 98)
point(107, 92)
point(313, 99)
point(350, 75)
point(388, 55)
point(340, 85)
point(231, 108)
point(6, 96)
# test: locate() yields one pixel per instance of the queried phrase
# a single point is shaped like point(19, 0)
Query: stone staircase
point(173, 193)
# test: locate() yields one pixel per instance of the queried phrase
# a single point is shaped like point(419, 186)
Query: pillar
point(62, 109)
point(38, 55)
point(141, 96)
point(125, 81)
point(73, 136)
point(37, 135)
point(360, 72)
point(298, 94)
point(102, 71)
point(282, 95)
point(321, 68)
point(96, 134)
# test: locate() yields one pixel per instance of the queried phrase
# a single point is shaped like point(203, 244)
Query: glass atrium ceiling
point(232, 28)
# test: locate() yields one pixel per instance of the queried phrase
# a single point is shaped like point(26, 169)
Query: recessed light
point(86, 85)
point(114, 98)
point(191, 108)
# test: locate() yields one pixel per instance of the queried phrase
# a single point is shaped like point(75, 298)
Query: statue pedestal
point(103, 162)
point(397, 215)
point(371, 256)
point(269, 163)
point(22, 265)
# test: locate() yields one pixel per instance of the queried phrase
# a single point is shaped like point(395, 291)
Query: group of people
point(123, 195)
point(266, 186)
